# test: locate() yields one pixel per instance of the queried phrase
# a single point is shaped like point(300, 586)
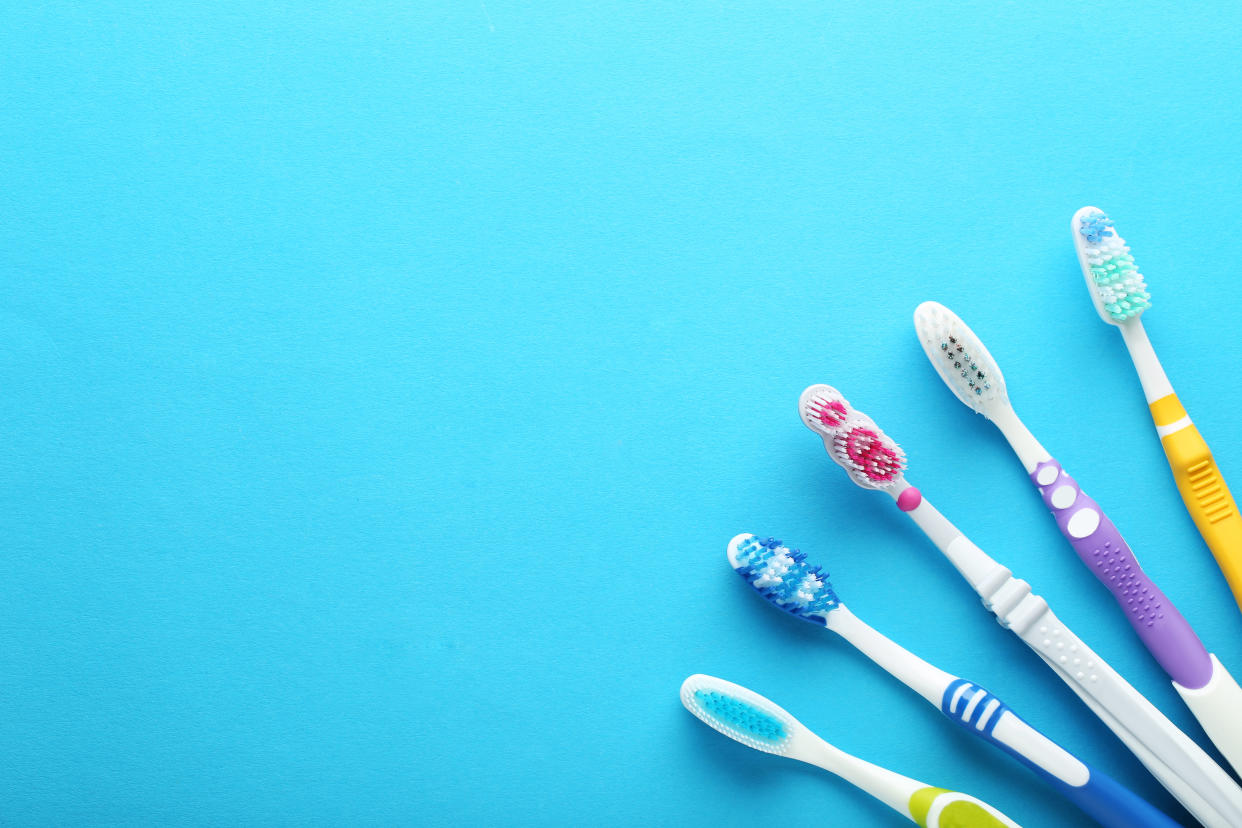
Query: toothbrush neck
point(1021, 440)
point(891, 788)
point(1155, 382)
point(923, 678)
point(980, 571)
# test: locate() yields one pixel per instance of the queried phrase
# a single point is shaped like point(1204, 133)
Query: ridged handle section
point(1208, 501)
point(1100, 546)
point(1102, 798)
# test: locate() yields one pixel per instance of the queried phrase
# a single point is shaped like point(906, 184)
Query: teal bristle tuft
point(740, 719)
point(1114, 275)
point(742, 715)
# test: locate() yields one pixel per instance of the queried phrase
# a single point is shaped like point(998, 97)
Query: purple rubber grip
point(1101, 547)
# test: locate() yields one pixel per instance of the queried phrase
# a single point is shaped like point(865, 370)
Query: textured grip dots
point(1069, 653)
point(1104, 551)
point(1117, 568)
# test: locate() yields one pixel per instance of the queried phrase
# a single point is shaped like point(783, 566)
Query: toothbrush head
point(740, 714)
point(1113, 279)
point(852, 439)
point(782, 576)
point(961, 359)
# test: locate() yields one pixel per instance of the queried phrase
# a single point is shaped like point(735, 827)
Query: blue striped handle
point(1100, 796)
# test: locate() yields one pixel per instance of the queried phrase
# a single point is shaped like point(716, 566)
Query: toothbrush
point(784, 578)
point(971, 373)
point(874, 461)
point(747, 717)
point(1120, 296)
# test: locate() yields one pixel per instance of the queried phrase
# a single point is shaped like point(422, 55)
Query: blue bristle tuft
point(1096, 227)
point(782, 577)
point(740, 716)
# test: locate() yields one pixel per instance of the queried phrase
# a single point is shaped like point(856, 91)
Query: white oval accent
point(1083, 522)
point(1063, 496)
point(1047, 474)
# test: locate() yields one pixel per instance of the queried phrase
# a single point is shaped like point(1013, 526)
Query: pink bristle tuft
point(831, 413)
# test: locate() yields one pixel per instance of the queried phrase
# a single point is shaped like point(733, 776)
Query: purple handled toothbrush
point(972, 374)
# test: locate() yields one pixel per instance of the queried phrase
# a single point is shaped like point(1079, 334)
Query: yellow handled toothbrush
point(1120, 295)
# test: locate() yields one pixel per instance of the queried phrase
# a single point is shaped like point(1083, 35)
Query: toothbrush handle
point(1100, 796)
point(922, 804)
point(1174, 758)
point(1100, 546)
point(1202, 488)
point(1218, 707)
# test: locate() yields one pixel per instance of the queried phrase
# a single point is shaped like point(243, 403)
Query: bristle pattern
point(868, 452)
point(830, 413)
point(1114, 275)
point(784, 578)
point(738, 713)
point(744, 718)
point(976, 380)
point(872, 459)
point(959, 357)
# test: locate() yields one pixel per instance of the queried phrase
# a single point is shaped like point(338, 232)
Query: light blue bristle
point(1096, 227)
point(782, 576)
point(1120, 286)
point(741, 716)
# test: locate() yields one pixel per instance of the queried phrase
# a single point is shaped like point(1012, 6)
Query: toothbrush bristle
point(960, 358)
point(783, 577)
point(830, 413)
point(742, 715)
point(823, 409)
point(1115, 278)
point(868, 452)
point(872, 459)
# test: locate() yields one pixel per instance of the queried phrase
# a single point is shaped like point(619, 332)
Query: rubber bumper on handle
point(941, 808)
point(1207, 498)
point(1100, 546)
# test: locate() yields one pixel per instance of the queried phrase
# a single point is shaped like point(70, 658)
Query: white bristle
point(823, 409)
point(741, 714)
point(961, 359)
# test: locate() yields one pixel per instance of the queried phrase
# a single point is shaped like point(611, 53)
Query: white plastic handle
point(1182, 766)
point(1218, 707)
point(1185, 770)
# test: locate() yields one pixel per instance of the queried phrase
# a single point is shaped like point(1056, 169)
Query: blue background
point(381, 383)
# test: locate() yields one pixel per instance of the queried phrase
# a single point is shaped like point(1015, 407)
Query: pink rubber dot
point(909, 499)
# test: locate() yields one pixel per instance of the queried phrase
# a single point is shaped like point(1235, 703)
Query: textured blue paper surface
point(380, 384)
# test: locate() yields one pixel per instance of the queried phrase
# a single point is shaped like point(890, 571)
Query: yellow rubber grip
point(1203, 489)
point(960, 813)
